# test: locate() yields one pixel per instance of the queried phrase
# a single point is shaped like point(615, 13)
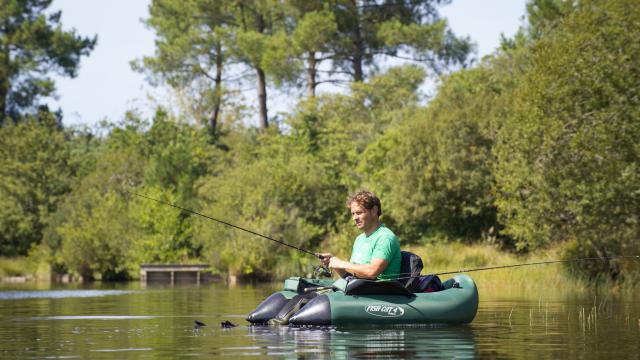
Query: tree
point(178, 155)
point(36, 174)
point(100, 230)
point(311, 38)
point(96, 235)
point(411, 30)
point(285, 41)
point(202, 40)
point(191, 49)
point(91, 231)
point(354, 36)
point(257, 22)
point(277, 189)
point(33, 44)
point(544, 15)
point(567, 158)
point(163, 234)
point(434, 167)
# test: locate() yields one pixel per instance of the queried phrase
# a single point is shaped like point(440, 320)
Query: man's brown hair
point(366, 199)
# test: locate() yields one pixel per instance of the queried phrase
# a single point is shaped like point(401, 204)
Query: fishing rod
point(637, 257)
point(226, 223)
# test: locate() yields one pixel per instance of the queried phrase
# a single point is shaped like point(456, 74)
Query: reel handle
point(322, 270)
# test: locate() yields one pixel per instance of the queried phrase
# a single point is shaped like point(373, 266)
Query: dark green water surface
point(130, 321)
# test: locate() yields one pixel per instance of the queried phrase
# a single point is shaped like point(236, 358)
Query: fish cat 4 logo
point(384, 310)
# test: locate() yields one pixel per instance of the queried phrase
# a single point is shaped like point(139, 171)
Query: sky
point(106, 86)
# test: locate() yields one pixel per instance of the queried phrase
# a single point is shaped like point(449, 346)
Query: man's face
point(364, 219)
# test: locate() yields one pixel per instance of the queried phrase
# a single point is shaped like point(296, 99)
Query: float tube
point(361, 301)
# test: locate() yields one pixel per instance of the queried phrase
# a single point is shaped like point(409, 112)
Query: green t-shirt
point(381, 244)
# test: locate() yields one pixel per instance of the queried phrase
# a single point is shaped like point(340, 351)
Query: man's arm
point(365, 271)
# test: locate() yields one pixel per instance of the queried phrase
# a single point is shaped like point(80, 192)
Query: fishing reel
point(322, 271)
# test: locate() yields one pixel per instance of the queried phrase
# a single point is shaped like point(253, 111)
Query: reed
point(13, 267)
point(535, 279)
point(24, 268)
point(550, 284)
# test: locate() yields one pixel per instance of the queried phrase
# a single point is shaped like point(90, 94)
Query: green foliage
point(314, 31)
point(36, 175)
point(178, 155)
point(287, 42)
point(163, 233)
point(568, 156)
point(434, 168)
point(199, 39)
point(543, 16)
point(32, 44)
point(412, 30)
point(96, 235)
point(282, 193)
point(101, 231)
point(340, 127)
point(91, 232)
point(278, 59)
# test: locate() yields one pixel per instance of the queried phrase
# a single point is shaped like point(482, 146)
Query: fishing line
point(637, 257)
point(225, 223)
point(538, 263)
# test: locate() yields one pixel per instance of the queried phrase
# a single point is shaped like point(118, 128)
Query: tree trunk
point(358, 47)
point(3, 100)
point(217, 91)
point(262, 98)
point(4, 84)
point(262, 82)
point(311, 74)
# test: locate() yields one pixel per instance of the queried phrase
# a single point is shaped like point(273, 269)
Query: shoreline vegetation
point(530, 153)
point(439, 257)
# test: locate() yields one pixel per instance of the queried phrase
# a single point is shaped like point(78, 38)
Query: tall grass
point(13, 267)
point(456, 256)
point(24, 267)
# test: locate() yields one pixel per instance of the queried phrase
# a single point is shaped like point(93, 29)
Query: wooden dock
point(174, 273)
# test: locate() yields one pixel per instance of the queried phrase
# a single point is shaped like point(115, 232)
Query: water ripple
point(59, 294)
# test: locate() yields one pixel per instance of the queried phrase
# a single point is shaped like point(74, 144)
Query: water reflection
point(365, 342)
point(160, 323)
point(58, 294)
point(86, 317)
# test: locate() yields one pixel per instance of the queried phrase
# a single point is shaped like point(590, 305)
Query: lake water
point(117, 321)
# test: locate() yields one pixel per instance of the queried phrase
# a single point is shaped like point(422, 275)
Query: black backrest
point(410, 269)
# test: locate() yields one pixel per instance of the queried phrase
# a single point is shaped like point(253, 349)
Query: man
point(376, 252)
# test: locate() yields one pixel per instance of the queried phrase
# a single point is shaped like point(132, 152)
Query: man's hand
point(336, 264)
point(325, 258)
